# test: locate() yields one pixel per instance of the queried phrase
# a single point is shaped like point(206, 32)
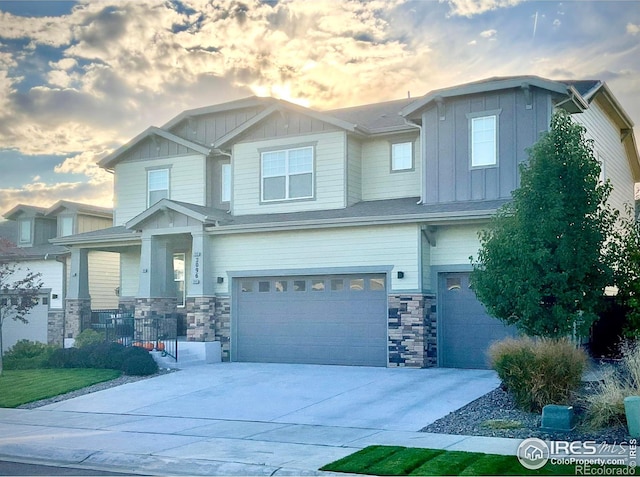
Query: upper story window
point(226, 183)
point(402, 156)
point(484, 140)
point(287, 174)
point(66, 226)
point(25, 231)
point(157, 185)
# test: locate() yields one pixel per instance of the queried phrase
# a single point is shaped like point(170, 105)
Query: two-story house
point(336, 237)
point(30, 249)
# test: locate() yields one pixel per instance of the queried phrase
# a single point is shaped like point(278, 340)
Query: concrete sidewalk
point(246, 419)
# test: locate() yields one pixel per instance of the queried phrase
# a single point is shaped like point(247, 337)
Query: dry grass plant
point(538, 372)
point(605, 406)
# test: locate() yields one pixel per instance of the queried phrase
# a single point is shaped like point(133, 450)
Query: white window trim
point(61, 220)
point(495, 114)
point(412, 166)
point(168, 189)
point(287, 174)
point(225, 183)
point(21, 223)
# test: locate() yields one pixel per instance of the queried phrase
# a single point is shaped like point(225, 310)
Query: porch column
point(201, 279)
point(79, 274)
point(78, 300)
point(201, 302)
point(144, 282)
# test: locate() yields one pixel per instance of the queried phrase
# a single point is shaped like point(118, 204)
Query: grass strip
point(19, 387)
point(387, 460)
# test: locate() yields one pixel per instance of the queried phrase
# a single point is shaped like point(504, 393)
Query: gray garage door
point(315, 320)
point(466, 329)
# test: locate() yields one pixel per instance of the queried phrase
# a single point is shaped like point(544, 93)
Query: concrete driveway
point(244, 418)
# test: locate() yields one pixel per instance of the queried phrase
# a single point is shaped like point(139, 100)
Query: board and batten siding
point(397, 246)
point(329, 174)
point(609, 149)
point(448, 174)
point(129, 273)
point(88, 223)
point(187, 183)
point(454, 245)
point(378, 181)
point(104, 278)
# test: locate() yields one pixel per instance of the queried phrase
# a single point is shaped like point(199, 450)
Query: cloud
point(86, 164)
point(44, 194)
point(488, 33)
point(470, 8)
point(633, 29)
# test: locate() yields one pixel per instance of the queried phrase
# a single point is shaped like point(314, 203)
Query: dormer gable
point(34, 227)
point(74, 218)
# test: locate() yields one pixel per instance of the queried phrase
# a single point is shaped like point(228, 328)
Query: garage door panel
point(466, 329)
point(329, 320)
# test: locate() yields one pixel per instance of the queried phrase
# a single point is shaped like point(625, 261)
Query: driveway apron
point(242, 418)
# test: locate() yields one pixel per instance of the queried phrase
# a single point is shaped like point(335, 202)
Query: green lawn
point(22, 386)
point(388, 460)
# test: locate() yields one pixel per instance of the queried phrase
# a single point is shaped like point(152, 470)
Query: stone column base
point(412, 331)
point(75, 309)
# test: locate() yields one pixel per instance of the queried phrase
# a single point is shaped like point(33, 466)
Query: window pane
point(299, 285)
point(159, 179)
point(300, 161)
point(454, 283)
point(155, 196)
point(356, 284)
point(300, 186)
point(337, 284)
point(264, 287)
point(226, 183)
point(178, 266)
point(274, 188)
point(281, 286)
point(25, 231)
point(401, 156)
point(66, 226)
point(273, 164)
point(376, 284)
point(483, 141)
point(246, 286)
point(317, 285)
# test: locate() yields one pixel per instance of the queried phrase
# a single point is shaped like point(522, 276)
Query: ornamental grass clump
point(538, 372)
point(605, 406)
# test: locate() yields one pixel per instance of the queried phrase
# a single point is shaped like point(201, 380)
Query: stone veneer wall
point(55, 327)
point(223, 325)
point(412, 330)
point(74, 309)
point(146, 307)
point(209, 319)
point(127, 304)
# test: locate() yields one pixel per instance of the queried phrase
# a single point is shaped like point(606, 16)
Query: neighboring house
point(27, 245)
point(335, 237)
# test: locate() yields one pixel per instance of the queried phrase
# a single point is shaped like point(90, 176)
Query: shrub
point(27, 354)
point(88, 337)
point(107, 355)
point(605, 406)
point(69, 358)
point(138, 362)
point(540, 372)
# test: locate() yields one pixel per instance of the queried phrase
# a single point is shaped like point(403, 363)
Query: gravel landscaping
point(495, 415)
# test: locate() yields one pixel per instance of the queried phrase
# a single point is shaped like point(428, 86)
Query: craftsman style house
point(27, 246)
point(336, 237)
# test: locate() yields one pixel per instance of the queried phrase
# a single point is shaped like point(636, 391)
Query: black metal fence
point(157, 332)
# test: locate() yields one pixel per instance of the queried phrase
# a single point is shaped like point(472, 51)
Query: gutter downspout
point(422, 159)
point(63, 261)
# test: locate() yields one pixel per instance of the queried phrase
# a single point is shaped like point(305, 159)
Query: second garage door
point(466, 329)
point(339, 319)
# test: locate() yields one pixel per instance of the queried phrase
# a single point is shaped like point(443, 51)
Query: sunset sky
point(79, 79)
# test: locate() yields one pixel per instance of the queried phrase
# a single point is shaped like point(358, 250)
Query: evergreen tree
point(543, 262)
